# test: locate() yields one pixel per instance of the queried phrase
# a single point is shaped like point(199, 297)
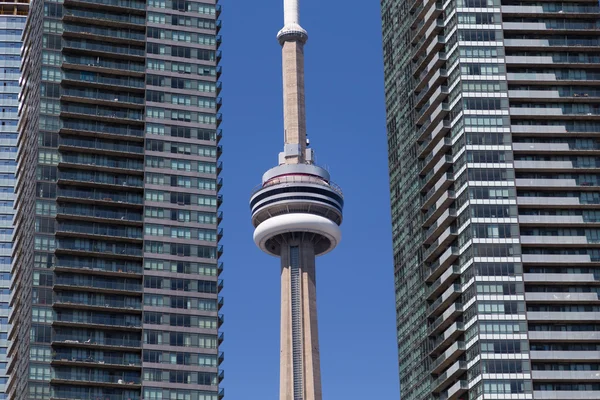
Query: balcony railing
point(98, 283)
point(138, 5)
point(91, 211)
point(130, 198)
point(113, 342)
point(101, 128)
point(99, 302)
point(60, 394)
point(125, 18)
point(99, 320)
point(96, 377)
point(102, 360)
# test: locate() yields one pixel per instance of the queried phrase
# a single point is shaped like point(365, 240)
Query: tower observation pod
point(296, 213)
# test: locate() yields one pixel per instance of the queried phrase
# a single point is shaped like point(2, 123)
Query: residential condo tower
point(493, 120)
point(115, 291)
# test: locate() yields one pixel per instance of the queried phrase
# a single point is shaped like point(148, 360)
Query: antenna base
point(292, 33)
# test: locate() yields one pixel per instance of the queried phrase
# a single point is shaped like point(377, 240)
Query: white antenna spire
point(291, 12)
point(291, 18)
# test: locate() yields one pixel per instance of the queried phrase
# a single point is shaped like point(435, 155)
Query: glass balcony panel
point(87, 126)
point(98, 282)
point(132, 198)
point(102, 63)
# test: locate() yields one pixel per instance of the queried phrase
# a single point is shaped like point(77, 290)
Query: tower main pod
point(296, 213)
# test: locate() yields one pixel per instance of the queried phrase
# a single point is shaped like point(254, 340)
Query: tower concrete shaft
point(294, 108)
point(300, 366)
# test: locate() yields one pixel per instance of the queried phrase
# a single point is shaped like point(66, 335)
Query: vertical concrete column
point(294, 109)
point(311, 363)
point(286, 380)
point(312, 356)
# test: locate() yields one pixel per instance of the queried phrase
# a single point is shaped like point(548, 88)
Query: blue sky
point(346, 126)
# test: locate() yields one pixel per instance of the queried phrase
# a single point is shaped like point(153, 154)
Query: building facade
point(493, 117)
point(116, 251)
point(12, 21)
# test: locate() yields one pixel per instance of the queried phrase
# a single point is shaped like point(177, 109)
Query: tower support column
point(300, 366)
point(294, 107)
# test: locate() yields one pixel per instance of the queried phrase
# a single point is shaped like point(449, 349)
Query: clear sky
point(346, 126)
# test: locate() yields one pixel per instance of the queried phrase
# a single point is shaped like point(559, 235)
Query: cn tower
point(296, 212)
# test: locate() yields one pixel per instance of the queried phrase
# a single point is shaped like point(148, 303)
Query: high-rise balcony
point(581, 183)
point(444, 300)
point(428, 44)
point(562, 278)
point(561, 10)
point(435, 116)
point(430, 78)
point(556, 61)
point(440, 207)
point(93, 377)
point(97, 284)
point(428, 64)
point(558, 259)
point(100, 97)
point(92, 213)
point(555, 43)
point(84, 127)
point(66, 394)
point(128, 52)
point(589, 165)
point(442, 283)
point(564, 336)
point(558, 220)
point(101, 179)
point(431, 149)
point(122, 269)
point(123, 362)
point(558, 26)
point(97, 321)
point(104, 65)
point(69, 302)
point(100, 231)
point(441, 244)
point(564, 355)
point(587, 95)
point(91, 17)
point(96, 343)
point(435, 230)
point(442, 263)
point(436, 192)
point(100, 146)
point(455, 391)
point(558, 241)
point(100, 197)
point(124, 6)
point(102, 113)
point(446, 378)
point(97, 251)
point(563, 317)
point(449, 338)
point(561, 297)
point(433, 172)
point(104, 33)
point(433, 132)
point(446, 319)
point(556, 77)
point(101, 163)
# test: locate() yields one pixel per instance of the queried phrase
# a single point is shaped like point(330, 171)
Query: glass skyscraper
point(493, 119)
point(12, 21)
point(116, 253)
